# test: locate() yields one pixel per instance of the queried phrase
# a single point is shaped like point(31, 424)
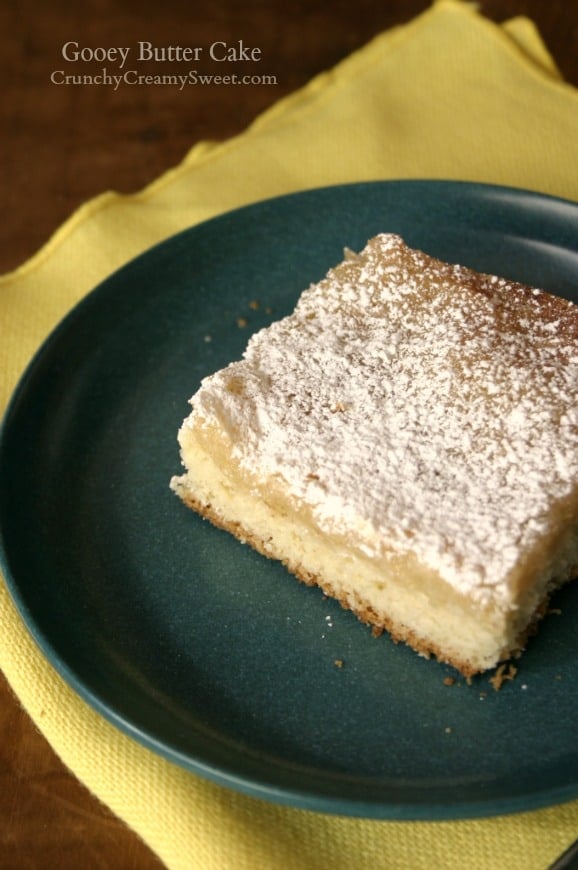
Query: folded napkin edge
point(210, 149)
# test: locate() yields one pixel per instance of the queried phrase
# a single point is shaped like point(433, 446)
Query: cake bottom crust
point(396, 594)
point(363, 610)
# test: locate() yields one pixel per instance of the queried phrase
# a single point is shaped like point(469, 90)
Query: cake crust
point(364, 612)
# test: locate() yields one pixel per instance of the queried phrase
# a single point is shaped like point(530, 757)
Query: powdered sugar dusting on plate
point(416, 404)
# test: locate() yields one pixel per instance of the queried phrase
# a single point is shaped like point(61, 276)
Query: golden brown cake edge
point(362, 611)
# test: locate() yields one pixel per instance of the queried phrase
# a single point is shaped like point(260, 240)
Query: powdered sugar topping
point(418, 405)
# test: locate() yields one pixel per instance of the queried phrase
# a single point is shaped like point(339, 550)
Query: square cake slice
point(407, 439)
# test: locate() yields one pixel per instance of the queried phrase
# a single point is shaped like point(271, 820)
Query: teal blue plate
point(193, 644)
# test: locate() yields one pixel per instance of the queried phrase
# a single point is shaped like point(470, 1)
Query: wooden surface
point(61, 145)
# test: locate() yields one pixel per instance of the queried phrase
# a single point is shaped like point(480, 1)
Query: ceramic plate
point(188, 641)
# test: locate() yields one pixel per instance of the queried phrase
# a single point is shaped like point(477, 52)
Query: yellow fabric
point(449, 95)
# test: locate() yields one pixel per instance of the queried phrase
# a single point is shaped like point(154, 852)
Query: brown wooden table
point(62, 145)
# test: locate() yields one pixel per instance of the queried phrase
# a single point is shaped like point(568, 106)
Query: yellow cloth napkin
point(449, 95)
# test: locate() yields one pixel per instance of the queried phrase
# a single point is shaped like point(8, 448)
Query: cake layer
point(393, 592)
point(406, 439)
